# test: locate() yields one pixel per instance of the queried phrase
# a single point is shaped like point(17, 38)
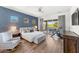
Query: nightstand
point(16, 35)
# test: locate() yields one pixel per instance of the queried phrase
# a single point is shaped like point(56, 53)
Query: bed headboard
point(22, 29)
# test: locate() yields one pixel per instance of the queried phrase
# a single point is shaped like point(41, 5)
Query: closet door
point(41, 24)
point(61, 20)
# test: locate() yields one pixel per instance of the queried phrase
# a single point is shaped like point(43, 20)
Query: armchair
point(7, 42)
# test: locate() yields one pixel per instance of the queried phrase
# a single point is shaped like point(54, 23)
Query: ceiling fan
point(40, 9)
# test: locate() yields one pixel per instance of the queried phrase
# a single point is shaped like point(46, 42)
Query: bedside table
point(16, 35)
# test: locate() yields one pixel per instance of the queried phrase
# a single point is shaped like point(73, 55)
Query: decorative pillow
point(32, 30)
point(26, 30)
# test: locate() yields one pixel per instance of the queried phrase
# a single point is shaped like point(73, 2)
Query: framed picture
point(14, 19)
point(26, 20)
point(33, 22)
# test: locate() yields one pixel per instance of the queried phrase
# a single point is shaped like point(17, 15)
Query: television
point(75, 18)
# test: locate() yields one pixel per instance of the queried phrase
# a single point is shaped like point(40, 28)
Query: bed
point(35, 37)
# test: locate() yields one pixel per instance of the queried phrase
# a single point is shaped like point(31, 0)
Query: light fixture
point(40, 9)
point(35, 27)
point(13, 29)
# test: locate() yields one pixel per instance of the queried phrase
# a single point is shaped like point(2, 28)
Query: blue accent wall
point(6, 13)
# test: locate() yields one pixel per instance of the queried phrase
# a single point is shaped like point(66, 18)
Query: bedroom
point(34, 29)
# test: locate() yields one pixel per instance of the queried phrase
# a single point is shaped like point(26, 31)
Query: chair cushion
point(1, 37)
point(6, 36)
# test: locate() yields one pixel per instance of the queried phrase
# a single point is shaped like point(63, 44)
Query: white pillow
point(6, 36)
point(23, 30)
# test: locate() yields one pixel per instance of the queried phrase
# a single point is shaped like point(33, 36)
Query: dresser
point(71, 42)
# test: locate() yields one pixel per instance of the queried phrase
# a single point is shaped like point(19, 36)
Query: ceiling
point(46, 10)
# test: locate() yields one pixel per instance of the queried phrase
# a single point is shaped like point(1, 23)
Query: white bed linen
point(31, 35)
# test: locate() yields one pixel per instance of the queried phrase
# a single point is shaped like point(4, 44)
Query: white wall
point(68, 20)
point(51, 17)
point(74, 28)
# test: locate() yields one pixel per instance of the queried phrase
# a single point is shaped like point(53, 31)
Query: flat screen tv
point(75, 18)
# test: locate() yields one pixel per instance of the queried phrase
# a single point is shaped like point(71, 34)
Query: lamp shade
point(35, 26)
point(13, 29)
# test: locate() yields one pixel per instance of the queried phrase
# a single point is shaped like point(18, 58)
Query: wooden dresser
point(71, 42)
